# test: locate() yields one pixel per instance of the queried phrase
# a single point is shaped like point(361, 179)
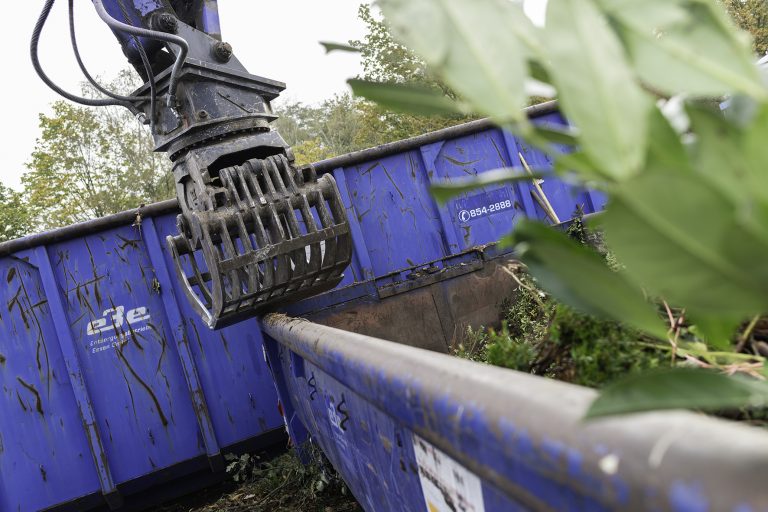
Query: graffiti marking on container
point(447, 485)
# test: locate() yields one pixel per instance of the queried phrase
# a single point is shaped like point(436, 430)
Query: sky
point(276, 39)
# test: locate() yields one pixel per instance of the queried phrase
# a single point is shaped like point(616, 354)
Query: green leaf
point(539, 71)
point(731, 154)
point(565, 136)
point(723, 164)
point(579, 277)
point(598, 91)
point(716, 331)
point(755, 154)
point(665, 147)
point(686, 46)
point(406, 98)
point(577, 162)
point(445, 191)
point(480, 48)
point(338, 47)
point(673, 232)
point(544, 135)
point(681, 388)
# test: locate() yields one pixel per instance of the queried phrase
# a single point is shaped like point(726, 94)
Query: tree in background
point(91, 162)
point(386, 60)
point(752, 16)
point(344, 124)
point(323, 131)
point(15, 219)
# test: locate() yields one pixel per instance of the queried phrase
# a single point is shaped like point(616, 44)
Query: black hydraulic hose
point(151, 34)
point(88, 76)
point(152, 84)
point(33, 50)
point(93, 82)
point(148, 70)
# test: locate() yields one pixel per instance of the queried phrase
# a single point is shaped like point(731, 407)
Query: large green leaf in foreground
point(686, 46)
point(597, 88)
point(578, 276)
point(480, 48)
point(675, 234)
point(407, 98)
point(682, 388)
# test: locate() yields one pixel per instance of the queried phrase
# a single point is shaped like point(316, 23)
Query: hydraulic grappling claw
point(266, 234)
point(254, 231)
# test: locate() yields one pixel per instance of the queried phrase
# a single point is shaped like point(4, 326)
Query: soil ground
point(279, 484)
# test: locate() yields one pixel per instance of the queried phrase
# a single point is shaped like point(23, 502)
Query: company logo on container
point(112, 324)
point(115, 318)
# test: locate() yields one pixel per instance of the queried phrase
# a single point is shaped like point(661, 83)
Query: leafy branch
point(688, 185)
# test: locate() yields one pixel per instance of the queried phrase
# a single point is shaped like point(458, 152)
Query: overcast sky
point(276, 39)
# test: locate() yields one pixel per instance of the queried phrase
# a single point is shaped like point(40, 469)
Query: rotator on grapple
point(254, 231)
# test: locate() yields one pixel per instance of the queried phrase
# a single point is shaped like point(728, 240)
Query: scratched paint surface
point(397, 224)
point(230, 362)
point(118, 315)
point(44, 455)
point(468, 157)
point(564, 197)
point(371, 448)
point(115, 312)
point(364, 418)
point(396, 213)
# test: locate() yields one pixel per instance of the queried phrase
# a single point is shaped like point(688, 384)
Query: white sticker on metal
point(447, 485)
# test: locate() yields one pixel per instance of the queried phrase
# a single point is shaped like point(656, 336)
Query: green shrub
point(543, 337)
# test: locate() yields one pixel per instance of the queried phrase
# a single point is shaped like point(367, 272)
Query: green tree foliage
point(323, 131)
point(15, 219)
point(91, 162)
point(384, 59)
point(343, 123)
point(752, 16)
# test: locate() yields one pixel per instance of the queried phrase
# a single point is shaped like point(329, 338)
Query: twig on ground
point(744, 338)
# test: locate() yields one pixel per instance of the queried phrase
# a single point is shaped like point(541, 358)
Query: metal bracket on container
point(423, 278)
point(432, 272)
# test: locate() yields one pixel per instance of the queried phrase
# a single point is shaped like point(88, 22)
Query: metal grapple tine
point(315, 251)
point(298, 257)
point(329, 258)
point(229, 253)
point(344, 243)
point(245, 240)
point(252, 252)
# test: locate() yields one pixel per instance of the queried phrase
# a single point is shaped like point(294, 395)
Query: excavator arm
point(254, 231)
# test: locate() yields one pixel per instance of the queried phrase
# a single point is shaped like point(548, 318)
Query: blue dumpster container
point(422, 272)
point(110, 383)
